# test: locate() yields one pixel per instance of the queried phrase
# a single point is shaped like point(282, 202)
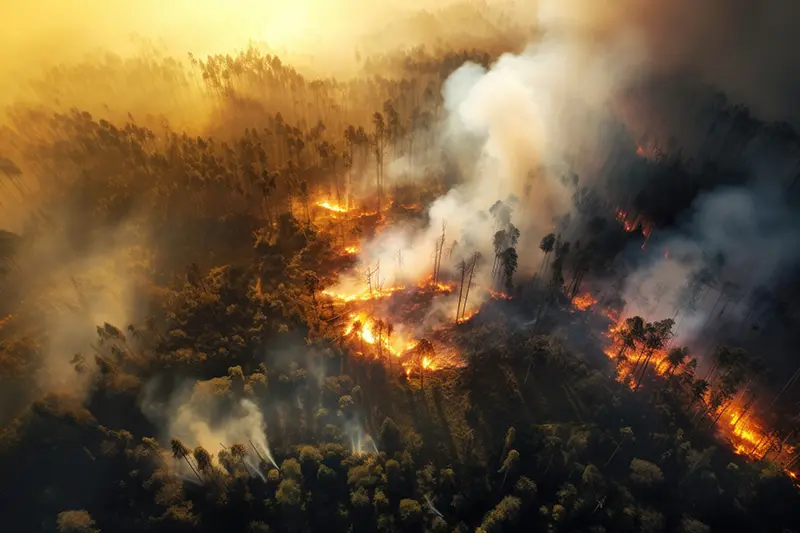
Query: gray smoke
point(740, 238)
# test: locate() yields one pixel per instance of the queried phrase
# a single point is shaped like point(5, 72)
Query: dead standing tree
point(437, 260)
point(475, 258)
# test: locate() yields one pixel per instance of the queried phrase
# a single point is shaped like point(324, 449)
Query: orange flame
point(499, 295)
point(467, 317)
point(584, 301)
point(364, 330)
point(364, 296)
point(333, 207)
point(746, 436)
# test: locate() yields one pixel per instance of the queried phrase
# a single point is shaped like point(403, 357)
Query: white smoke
point(512, 131)
point(206, 415)
point(360, 441)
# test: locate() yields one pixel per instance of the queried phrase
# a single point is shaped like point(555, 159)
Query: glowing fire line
point(746, 436)
point(332, 207)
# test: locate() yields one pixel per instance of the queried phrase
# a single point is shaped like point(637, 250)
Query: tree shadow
point(437, 400)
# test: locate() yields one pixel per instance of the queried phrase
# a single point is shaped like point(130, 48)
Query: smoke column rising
point(204, 415)
point(513, 132)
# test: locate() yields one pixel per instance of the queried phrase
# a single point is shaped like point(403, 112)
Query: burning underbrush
point(406, 327)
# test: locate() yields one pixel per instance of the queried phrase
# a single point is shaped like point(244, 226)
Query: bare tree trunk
point(789, 384)
point(614, 453)
point(461, 290)
point(644, 369)
point(188, 462)
point(440, 248)
point(792, 461)
point(469, 282)
point(740, 418)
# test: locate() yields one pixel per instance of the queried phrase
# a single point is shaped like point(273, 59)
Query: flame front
point(365, 295)
point(332, 207)
point(733, 420)
point(377, 338)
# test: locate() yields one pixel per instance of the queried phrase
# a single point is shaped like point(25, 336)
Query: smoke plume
point(736, 240)
point(205, 414)
point(512, 133)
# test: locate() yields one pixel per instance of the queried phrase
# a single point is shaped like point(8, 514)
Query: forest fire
point(364, 296)
point(467, 317)
point(633, 224)
point(377, 338)
point(384, 334)
point(635, 351)
point(374, 296)
point(584, 301)
point(332, 207)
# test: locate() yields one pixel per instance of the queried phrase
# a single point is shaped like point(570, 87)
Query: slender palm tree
point(202, 458)
point(676, 357)
point(180, 451)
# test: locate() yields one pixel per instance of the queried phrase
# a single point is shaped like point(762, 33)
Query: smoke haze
point(512, 132)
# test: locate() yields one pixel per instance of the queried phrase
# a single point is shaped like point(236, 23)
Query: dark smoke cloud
point(742, 47)
point(743, 237)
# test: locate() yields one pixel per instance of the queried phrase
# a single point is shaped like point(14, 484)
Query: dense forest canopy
point(460, 266)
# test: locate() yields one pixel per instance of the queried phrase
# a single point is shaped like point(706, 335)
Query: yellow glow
point(71, 29)
point(288, 25)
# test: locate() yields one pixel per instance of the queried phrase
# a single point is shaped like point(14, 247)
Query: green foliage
point(390, 437)
point(504, 515)
point(645, 473)
point(289, 495)
point(409, 512)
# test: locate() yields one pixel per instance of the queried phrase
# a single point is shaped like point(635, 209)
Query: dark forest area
point(470, 288)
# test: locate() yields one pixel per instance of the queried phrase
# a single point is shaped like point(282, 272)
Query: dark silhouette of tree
point(509, 262)
point(546, 246)
point(179, 451)
point(203, 459)
point(655, 338)
point(676, 357)
point(509, 465)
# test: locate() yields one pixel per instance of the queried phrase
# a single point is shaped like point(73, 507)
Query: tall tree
point(546, 246)
point(179, 451)
point(655, 339)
